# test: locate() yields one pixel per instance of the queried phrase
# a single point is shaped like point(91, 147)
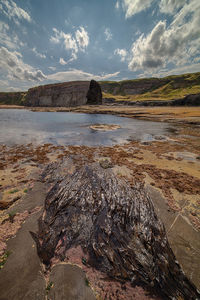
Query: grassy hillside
point(167, 88)
point(12, 98)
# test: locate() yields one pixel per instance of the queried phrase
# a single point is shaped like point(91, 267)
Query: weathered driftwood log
point(118, 228)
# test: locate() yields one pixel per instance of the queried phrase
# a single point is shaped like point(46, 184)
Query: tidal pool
point(64, 128)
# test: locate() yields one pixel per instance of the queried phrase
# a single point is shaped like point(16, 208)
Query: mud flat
point(168, 168)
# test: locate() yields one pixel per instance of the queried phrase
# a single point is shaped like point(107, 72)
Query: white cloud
point(56, 37)
point(70, 42)
point(38, 54)
point(178, 43)
point(132, 7)
point(171, 6)
point(67, 40)
point(14, 12)
point(3, 83)
point(8, 39)
point(52, 68)
point(82, 38)
point(196, 59)
point(108, 34)
point(62, 61)
point(15, 68)
point(79, 42)
point(122, 53)
point(79, 75)
point(4, 27)
point(191, 68)
point(117, 5)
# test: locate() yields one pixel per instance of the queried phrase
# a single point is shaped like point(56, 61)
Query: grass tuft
point(3, 258)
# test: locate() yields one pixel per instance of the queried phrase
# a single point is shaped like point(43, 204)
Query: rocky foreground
point(169, 169)
point(115, 227)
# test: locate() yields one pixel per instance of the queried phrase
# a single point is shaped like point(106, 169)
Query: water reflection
point(24, 126)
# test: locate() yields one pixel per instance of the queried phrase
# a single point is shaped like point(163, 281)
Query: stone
point(105, 163)
point(69, 282)
point(94, 94)
point(116, 227)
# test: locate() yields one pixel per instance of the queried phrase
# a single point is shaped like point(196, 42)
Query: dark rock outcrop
point(115, 225)
point(94, 94)
point(189, 100)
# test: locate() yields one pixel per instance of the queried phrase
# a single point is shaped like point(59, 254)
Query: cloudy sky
point(46, 41)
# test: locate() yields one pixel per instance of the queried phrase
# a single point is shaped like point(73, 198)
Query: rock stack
point(94, 94)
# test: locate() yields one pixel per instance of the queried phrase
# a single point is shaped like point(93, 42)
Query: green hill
point(167, 88)
point(12, 98)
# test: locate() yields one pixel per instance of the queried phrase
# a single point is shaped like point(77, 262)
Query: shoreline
point(182, 114)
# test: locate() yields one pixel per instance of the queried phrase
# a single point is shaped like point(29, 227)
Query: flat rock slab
point(34, 198)
point(21, 278)
point(184, 239)
point(69, 282)
point(185, 242)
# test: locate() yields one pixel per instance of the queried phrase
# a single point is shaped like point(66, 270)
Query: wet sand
point(169, 168)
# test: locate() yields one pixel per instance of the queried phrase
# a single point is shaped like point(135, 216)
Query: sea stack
point(94, 94)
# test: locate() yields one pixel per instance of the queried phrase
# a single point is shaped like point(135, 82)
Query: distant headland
point(172, 90)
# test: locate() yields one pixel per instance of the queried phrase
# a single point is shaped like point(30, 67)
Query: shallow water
point(65, 128)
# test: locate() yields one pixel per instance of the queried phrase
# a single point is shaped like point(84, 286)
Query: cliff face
point(167, 88)
point(61, 94)
point(132, 87)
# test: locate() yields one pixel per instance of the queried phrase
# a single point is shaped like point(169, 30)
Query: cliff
point(172, 90)
point(61, 94)
point(156, 89)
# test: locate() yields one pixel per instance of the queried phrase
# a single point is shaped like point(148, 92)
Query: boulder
point(115, 225)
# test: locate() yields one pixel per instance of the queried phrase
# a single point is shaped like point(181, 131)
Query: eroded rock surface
point(116, 227)
point(61, 94)
point(94, 94)
point(69, 282)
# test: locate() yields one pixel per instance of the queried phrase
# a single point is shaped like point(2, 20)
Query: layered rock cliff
point(61, 94)
point(156, 89)
point(65, 94)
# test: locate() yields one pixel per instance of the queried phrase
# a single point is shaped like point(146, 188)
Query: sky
point(48, 41)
